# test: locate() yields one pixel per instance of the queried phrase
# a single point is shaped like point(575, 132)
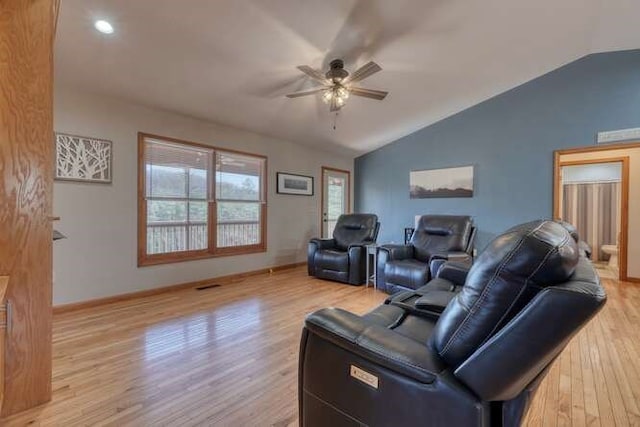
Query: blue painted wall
point(510, 140)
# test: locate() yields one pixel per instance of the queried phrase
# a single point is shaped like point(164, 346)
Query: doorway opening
point(336, 198)
point(592, 194)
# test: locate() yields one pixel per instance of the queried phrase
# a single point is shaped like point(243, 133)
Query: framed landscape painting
point(299, 185)
point(435, 183)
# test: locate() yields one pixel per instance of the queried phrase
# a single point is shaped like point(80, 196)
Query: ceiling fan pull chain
point(335, 120)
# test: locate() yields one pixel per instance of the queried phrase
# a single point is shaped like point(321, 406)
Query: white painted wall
point(99, 257)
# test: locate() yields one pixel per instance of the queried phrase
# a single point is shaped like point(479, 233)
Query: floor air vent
point(202, 288)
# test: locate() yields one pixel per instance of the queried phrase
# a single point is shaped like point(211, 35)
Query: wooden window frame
point(212, 251)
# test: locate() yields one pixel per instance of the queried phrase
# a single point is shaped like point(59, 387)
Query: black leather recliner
point(478, 363)
point(343, 258)
point(435, 239)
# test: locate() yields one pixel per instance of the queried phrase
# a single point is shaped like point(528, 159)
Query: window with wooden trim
point(197, 201)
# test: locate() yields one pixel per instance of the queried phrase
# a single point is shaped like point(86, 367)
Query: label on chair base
point(364, 376)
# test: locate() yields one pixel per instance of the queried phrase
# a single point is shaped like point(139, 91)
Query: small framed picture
point(299, 185)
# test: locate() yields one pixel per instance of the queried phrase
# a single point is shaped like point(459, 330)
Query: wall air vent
point(619, 136)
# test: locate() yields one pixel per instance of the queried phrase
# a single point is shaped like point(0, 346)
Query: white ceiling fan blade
point(368, 93)
point(314, 74)
point(363, 72)
point(305, 92)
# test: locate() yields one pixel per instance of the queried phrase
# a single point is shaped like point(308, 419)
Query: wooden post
point(4, 282)
point(26, 187)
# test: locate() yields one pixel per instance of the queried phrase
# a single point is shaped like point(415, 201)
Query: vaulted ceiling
point(232, 62)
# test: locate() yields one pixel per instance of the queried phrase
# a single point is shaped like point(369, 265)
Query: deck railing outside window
point(172, 237)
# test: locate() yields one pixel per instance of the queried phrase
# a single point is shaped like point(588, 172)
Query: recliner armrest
point(362, 245)
point(456, 256)
point(455, 272)
point(357, 264)
point(314, 246)
point(397, 252)
point(436, 261)
point(375, 343)
point(323, 243)
point(387, 253)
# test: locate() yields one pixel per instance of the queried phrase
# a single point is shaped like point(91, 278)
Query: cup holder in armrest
point(428, 304)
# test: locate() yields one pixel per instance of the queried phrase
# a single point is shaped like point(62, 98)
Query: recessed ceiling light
point(103, 26)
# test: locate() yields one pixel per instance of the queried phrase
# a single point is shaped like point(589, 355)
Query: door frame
point(624, 214)
point(324, 169)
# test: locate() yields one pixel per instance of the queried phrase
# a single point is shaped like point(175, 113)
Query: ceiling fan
point(337, 83)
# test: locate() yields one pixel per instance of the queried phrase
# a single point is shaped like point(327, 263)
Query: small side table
point(372, 251)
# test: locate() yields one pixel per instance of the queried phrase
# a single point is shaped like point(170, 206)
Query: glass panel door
point(335, 198)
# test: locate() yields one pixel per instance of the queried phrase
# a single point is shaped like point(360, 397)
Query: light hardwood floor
point(228, 356)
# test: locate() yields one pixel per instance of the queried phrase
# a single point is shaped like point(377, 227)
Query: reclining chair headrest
point(440, 234)
point(437, 231)
point(444, 225)
point(355, 229)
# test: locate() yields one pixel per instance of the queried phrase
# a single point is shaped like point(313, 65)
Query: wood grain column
point(26, 186)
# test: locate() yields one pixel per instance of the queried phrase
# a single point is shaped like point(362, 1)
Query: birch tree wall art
point(79, 158)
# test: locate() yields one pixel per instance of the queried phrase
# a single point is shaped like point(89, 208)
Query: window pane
point(197, 184)
point(166, 211)
point(238, 187)
point(169, 164)
point(167, 229)
point(197, 212)
point(336, 197)
point(166, 181)
point(238, 211)
point(198, 239)
point(238, 224)
point(238, 177)
point(166, 238)
point(173, 238)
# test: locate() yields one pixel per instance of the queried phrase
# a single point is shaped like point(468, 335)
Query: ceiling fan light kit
point(337, 92)
point(337, 84)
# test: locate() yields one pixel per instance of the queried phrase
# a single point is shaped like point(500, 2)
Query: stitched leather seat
point(478, 363)
point(342, 258)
